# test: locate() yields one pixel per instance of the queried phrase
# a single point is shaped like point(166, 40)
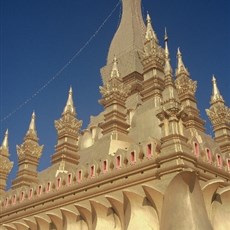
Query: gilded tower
point(29, 153)
point(5, 164)
point(68, 127)
point(186, 88)
point(219, 115)
point(114, 97)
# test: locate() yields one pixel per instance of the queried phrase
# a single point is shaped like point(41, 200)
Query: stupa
point(145, 162)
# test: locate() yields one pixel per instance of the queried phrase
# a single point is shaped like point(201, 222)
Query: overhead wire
point(58, 73)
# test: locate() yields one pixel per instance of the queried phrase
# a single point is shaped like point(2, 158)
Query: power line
point(37, 92)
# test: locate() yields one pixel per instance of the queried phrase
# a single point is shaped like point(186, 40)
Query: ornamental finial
point(167, 68)
point(32, 126)
point(5, 140)
point(5, 164)
point(69, 104)
point(166, 45)
point(150, 34)
point(32, 122)
point(180, 66)
point(166, 35)
point(216, 96)
point(115, 71)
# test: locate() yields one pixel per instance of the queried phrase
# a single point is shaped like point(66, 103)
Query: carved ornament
point(152, 53)
point(185, 85)
point(115, 86)
point(68, 123)
point(219, 114)
point(5, 165)
point(29, 148)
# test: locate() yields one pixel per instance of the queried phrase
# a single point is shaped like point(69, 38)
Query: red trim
point(118, 161)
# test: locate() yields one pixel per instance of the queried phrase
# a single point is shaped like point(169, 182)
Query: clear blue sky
point(39, 37)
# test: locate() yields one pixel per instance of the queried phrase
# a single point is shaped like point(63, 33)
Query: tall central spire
point(128, 39)
point(131, 27)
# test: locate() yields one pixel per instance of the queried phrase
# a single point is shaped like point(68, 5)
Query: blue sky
point(38, 38)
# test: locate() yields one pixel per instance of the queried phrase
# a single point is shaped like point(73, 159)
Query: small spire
point(148, 19)
point(216, 96)
point(32, 126)
point(166, 45)
point(115, 72)
point(168, 68)
point(69, 104)
point(166, 35)
point(150, 34)
point(180, 67)
point(5, 164)
point(5, 140)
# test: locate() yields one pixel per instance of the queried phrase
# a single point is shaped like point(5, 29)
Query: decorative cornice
point(5, 165)
point(219, 114)
point(29, 148)
point(69, 124)
point(185, 85)
point(63, 195)
point(112, 88)
point(153, 55)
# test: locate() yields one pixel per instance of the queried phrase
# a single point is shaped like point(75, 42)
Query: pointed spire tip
point(33, 114)
point(69, 104)
point(180, 65)
point(178, 51)
point(70, 89)
point(166, 35)
point(115, 71)
point(32, 122)
point(213, 78)
point(5, 140)
point(148, 18)
point(216, 96)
